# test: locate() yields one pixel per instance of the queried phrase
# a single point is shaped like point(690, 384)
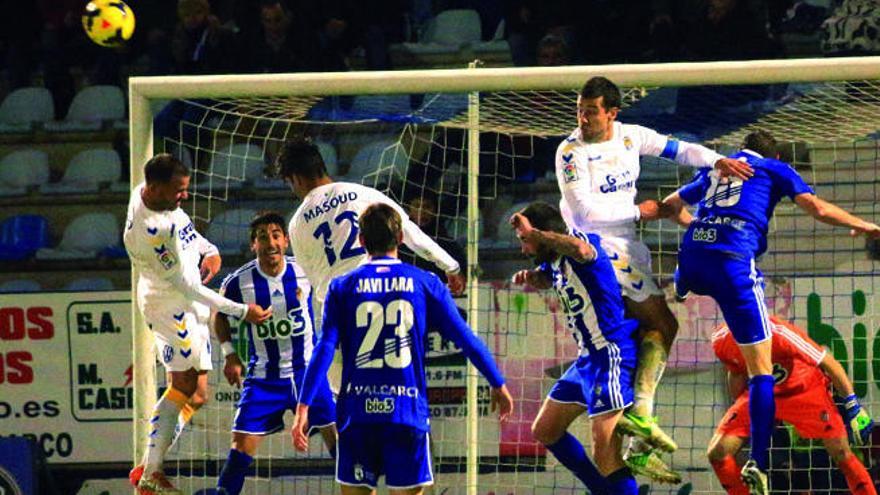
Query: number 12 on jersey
point(349, 250)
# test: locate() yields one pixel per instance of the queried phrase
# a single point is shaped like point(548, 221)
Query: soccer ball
point(108, 23)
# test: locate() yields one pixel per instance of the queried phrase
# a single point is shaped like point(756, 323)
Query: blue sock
point(762, 413)
point(233, 472)
point(572, 455)
point(622, 482)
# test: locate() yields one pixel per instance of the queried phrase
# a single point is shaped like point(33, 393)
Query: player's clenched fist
point(256, 313)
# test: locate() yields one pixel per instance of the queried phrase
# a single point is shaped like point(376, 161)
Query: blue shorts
point(400, 452)
point(735, 284)
point(264, 402)
point(601, 381)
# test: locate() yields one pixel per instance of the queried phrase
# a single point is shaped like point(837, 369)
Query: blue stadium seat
point(22, 235)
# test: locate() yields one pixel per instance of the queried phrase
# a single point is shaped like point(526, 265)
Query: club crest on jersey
point(627, 143)
point(167, 353)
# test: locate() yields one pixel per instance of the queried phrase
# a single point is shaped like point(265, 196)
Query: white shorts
point(631, 260)
point(183, 338)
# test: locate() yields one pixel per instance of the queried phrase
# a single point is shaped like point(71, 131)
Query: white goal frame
point(473, 81)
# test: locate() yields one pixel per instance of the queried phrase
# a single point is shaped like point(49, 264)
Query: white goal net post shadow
point(142, 90)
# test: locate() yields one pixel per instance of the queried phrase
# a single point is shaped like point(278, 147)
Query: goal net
point(462, 150)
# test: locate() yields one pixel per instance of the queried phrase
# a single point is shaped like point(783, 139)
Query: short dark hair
point(761, 142)
point(300, 157)
point(602, 86)
point(268, 217)
point(544, 216)
point(163, 167)
point(381, 226)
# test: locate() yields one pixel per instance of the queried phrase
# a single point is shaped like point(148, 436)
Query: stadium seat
point(234, 165)
point(229, 230)
point(20, 285)
point(21, 170)
point(87, 171)
point(24, 107)
point(90, 108)
point(85, 237)
point(22, 235)
point(448, 32)
point(385, 160)
point(496, 44)
point(90, 284)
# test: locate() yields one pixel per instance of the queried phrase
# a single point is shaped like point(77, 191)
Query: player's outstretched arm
point(832, 214)
point(563, 244)
point(858, 420)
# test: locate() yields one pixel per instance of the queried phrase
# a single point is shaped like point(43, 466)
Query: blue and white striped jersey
point(594, 281)
point(284, 343)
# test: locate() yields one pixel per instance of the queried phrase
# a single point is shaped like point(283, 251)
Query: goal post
point(479, 136)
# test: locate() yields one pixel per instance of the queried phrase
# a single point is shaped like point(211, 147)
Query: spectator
point(709, 37)
point(853, 29)
point(200, 44)
point(424, 211)
point(282, 43)
point(553, 50)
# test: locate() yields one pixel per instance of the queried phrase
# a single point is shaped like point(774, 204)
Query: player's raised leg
point(551, 429)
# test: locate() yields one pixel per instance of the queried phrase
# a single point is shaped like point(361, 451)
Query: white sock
point(162, 425)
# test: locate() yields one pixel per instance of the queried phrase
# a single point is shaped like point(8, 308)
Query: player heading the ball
point(166, 250)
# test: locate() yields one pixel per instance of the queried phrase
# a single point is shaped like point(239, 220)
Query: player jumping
point(717, 259)
point(165, 248)
point(279, 349)
point(324, 229)
point(600, 381)
point(378, 314)
point(597, 167)
point(803, 370)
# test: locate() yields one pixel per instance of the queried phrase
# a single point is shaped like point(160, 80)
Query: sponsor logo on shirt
point(617, 182)
point(379, 406)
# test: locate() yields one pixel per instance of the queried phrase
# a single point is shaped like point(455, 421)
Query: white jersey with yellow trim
point(598, 180)
point(166, 249)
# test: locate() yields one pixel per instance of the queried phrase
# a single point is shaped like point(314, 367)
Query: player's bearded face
point(594, 120)
point(270, 244)
point(538, 254)
point(168, 196)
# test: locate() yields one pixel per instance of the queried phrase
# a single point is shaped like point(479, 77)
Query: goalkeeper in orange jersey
point(803, 373)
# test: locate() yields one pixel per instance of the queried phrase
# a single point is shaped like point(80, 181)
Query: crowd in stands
point(44, 37)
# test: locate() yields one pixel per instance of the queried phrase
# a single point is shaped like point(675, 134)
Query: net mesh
point(414, 148)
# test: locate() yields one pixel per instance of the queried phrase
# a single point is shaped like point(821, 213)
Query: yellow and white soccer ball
point(108, 23)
